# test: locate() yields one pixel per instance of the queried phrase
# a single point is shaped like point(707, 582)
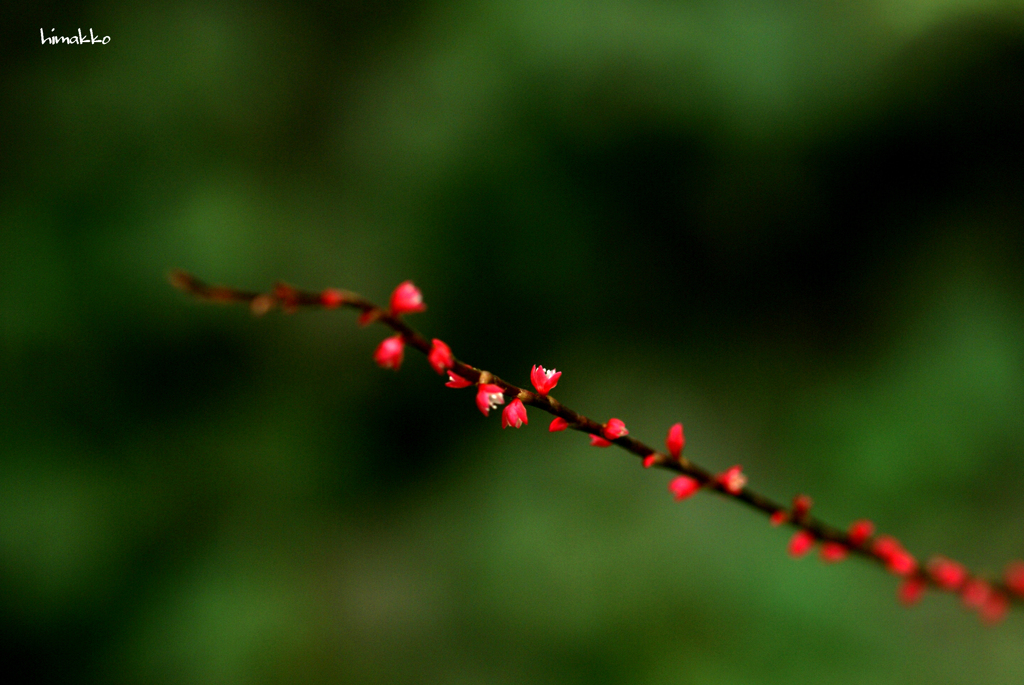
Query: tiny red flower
point(614, 429)
point(801, 543)
point(994, 609)
point(440, 356)
point(457, 381)
point(885, 546)
point(369, 316)
point(897, 559)
point(832, 552)
point(778, 517)
point(598, 441)
point(543, 380)
point(390, 352)
point(488, 397)
point(801, 505)
point(911, 590)
point(860, 531)
point(559, 424)
point(732, 480)
point(683, 487)
point(650, 460)
point(675, 440)
point(331, 298)
point(406, 299)
point(1014, 576)
point(946, 572)
point(514, 415)
point(902, 563)
point(975, 593)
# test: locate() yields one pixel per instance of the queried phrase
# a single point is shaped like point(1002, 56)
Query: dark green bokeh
point(794, 226)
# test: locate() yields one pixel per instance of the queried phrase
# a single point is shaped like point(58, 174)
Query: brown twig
point(879, 549)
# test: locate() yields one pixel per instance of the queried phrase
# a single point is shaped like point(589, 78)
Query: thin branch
point(990, 596)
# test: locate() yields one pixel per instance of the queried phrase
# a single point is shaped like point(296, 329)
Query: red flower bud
point(683, 487)
point(911, 590)
point(831, 552)
point(860, 531)
point(488, 397)
point(994, 609)
point(543, 380)
point(897, 559)
point(369, 316)
point(440, 356)
point(885, 546)
point(946, 572)
point(801, 505)
point(559, 424)
point(732, 480)
point(675, 440)
point(514, 415)
point(406, 299)
point(651, 459)
point(598, 441)
point(778, 517)
point(614, 429)
point(331, 298)
point(390, 352)
point(1014, 576)
point(902, 563)
point(801, 543)
point(975, 593)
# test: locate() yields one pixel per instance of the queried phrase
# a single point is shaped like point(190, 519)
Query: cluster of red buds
point(990, 598)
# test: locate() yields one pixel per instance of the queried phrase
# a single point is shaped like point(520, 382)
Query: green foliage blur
point(794, 226)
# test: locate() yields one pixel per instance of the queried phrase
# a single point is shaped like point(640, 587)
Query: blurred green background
point(794, 226)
